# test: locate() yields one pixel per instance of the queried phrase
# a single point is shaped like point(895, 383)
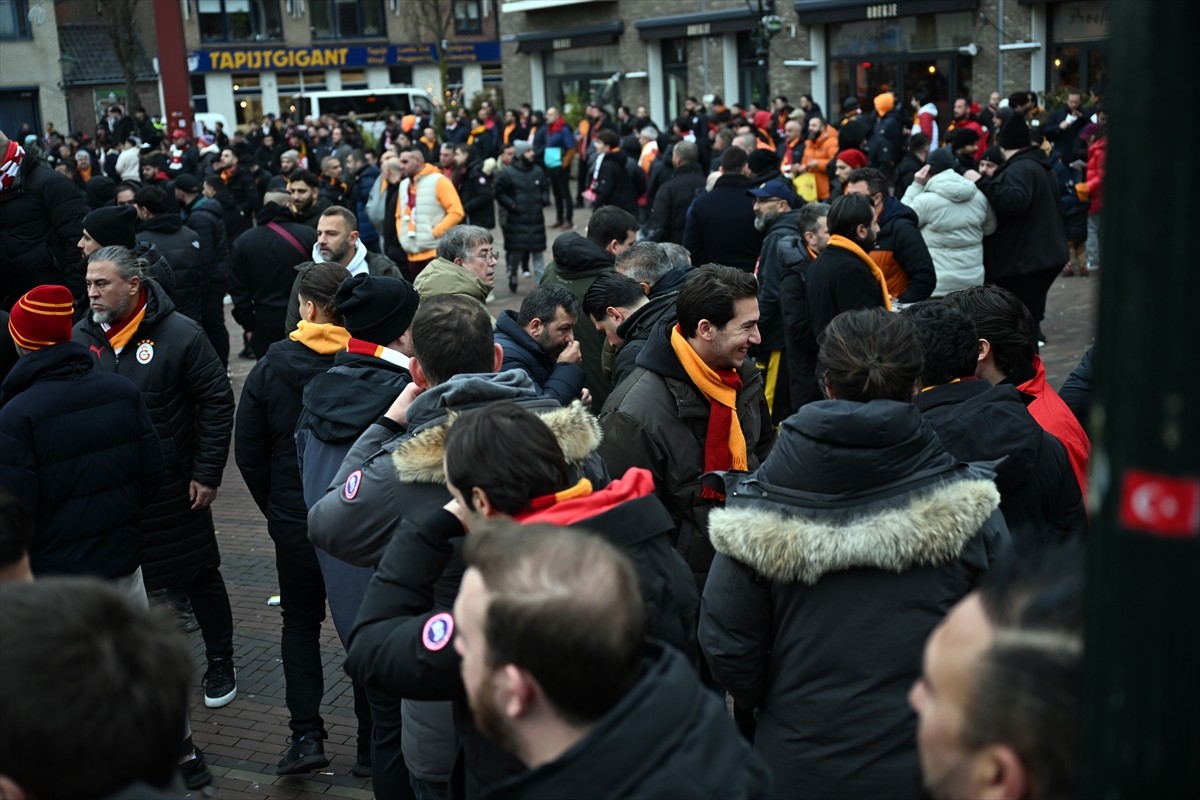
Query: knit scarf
point(85, 173)
point(119, 335)
point(10, 168)
point(227, 174)
point(724, 444)
point(364, 348)
point(850, 245)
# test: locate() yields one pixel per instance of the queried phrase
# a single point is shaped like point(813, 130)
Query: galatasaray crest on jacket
point(145, 352)
point(437, 632)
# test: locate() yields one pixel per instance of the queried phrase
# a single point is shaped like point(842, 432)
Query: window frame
point(463, 30)
point(24, 30)
point(335, 28)
point(255, 35)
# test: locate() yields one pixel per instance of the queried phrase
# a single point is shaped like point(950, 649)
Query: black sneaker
point(220, 682)
point(247, 353)
point(306, 754)
point(195, 772)
point(512, 283)
point(362, 764)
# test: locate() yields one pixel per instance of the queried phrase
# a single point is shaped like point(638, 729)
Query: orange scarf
point(853, 247)
point(227, 174)
point(724, 444)
point(119, 335)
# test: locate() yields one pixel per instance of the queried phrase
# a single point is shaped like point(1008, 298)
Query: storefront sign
point(881, 11)
point(336, 57)
point(1083, 21)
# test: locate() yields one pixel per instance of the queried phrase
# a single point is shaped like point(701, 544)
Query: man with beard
point(821, 145)
point(964, 121)
point(307, 205)
point(844, 277)
point(776, 208)
point(338, 241)
point(793, 301)
point(239, 182)
point(900, 252)
point(539, 339)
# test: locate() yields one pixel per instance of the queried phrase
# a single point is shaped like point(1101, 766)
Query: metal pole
point(1141, 688)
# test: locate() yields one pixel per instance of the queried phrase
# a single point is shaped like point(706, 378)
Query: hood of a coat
point(418, 458)
point(952, 186)
point(162, 223)
point(297, 361)
point(789, 544)
point(893, 209)
point(576, 255)
point(446, 277)
point(273, 212)
point(638, 324)
point(672, 282)
point(339, 404)
point(658, 356)
point(65, 360)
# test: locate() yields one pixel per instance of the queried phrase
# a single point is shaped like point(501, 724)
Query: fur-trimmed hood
point(926, 528)
point(418, 459)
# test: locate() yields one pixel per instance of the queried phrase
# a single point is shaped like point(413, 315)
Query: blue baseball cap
point(777, 188)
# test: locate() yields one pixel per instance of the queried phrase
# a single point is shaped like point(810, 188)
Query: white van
point(370, 105)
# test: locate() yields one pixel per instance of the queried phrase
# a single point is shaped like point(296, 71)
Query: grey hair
point(645, 262)
point(747, 141)
point(810, 215)
point(457, 242)
point(649, 132)
point(677, 254)
point(128, 265)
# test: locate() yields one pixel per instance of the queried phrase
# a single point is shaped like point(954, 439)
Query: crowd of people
point(761, 491)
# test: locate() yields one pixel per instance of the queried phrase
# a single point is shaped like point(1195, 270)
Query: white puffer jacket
point(953, 216)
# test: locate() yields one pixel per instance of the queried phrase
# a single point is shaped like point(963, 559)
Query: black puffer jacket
point(839, 281)
point(835, 560)
point(781, 242)
point(636, 330)
point(240, 184)
point(185, 387)
point(265, 439)
point(264, 264)
point(523, 191)
point(77, 447)
point(1029, 235)
point(801, 349)
point(902, 254)
point(41, 220)
point(477, 195)
point(1039, 497)
point(614, 186)
point(562, 381)
point(205, 218)
point(180, 246)
point(720, 225)
point(668, 217)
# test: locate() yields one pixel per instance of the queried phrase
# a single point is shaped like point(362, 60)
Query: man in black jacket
point(844, 277)
point(239, 182)
point(41, 218)
point(1029, 247)
point(204, 216)
point(899, 249)
point(975, 421)
point(523, 191)
point(611, 181)
point(262, 280)
point(668, 217)
point(179, 245)
point(720, 223)
point(618, 307)
point(539, 340)
point(572, 706)
point(793, 302)
point(134, 330)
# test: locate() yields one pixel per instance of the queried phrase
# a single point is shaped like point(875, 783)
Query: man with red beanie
point(78, 449)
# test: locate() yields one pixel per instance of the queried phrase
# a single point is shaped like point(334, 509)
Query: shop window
point(675, 75)
point(14, 20)
point(239, 20)
point(199, 94)
point(580, 74)
point(400, 75)
point(332, 19)
point(354, 79)
point(468, 16)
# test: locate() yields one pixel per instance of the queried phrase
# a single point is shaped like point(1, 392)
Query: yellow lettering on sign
point(239, 59)
point(279, 58)
point(339, 58)
point(213, 58)
point(226, 60)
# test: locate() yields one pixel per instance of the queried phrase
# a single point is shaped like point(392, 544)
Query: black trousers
point(268, 329)
point(210, 604)
point(212, 317)
point(564, 204)
point(1032, 289)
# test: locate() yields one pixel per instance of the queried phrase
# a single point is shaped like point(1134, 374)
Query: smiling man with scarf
point(694, 404)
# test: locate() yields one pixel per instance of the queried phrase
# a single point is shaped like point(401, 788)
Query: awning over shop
point(566, 38)
point(733, 20)
point(817, 12)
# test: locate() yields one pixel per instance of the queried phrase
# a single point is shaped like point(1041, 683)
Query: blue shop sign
point(337, 56)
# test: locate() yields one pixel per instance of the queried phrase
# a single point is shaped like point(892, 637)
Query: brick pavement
point(244, 740)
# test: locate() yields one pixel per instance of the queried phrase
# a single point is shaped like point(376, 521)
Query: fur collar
point(931, 527)
point(419, 459)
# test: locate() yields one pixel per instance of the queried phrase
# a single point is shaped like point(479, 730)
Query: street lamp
point(769, 24)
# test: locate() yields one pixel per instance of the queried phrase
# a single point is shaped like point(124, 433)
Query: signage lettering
point(701, 29)
point(881, 11)
point(381, 55)
point(561, 44)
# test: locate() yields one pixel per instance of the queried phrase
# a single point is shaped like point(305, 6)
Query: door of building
point(19, 107)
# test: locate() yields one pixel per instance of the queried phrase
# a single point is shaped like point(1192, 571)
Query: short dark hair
point(564, 605)
point(16, 528)
point(319, 283)
point(544, 301)
point(870, 354)
point(346, 215)
point(809, 218)
point(303, 176)
point(609, 138)
point(611, 289)
point(609, 223)
point(215, 183)
point(479, 453)
point(76, 650)
point(644, 261)
point(847, 212)
point(949, 343)
point(462, 147)
point(877, 182)
point(452, 335)
point(1002, 319)
point(734, 159)
point(154, 199)
point(710, 292)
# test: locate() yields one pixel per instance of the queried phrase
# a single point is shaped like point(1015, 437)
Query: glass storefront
point(1079, 57)
point(579, 74)
point(675, 75)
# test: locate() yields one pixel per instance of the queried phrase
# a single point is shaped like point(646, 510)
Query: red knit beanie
point(855, 159)
point(42, 317)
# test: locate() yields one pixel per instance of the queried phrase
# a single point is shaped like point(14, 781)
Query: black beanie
point(112, 225)
point(377, 310)
point(762, 160)
point(1014, 134)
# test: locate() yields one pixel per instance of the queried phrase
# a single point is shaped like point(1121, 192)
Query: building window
point(332, 19)
point(14, 20)
point(400, 75)
point(240, 20)
point(468, 16)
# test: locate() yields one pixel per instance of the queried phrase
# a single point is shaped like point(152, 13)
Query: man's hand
point(458, 510)
point(585, 397)
point(201, 495)
point(571, 354)
point(398, 411)
point(972, 175)
point(922, 175)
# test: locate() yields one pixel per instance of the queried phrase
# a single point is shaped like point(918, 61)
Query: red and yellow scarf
point(119, 335)
point(853, 246)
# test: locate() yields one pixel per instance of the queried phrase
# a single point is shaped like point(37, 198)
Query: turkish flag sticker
point(1162, 504)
